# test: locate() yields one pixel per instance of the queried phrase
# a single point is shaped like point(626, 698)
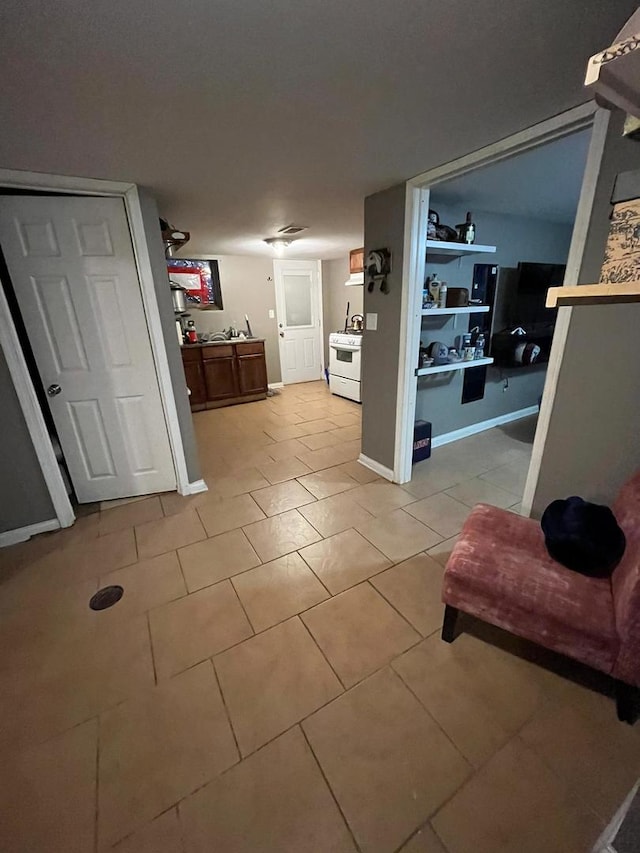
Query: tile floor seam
point(391, 604)
point(566, 783)
point(409, 556)
point(422, 705)
point(226, 711)
point(240, 602)
point(442, 536)
point(317, 644)
point(330, 789)
point(255, 634)
point(426, 824)
point(330, 594)
point(153, 657)
point(134, 832)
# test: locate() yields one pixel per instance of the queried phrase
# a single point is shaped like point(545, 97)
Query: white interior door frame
point(10, 343)
point(416, 213)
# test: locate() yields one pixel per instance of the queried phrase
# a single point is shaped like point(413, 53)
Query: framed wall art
point(200, 279)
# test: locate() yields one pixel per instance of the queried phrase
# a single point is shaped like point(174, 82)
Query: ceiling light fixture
point(278, 244)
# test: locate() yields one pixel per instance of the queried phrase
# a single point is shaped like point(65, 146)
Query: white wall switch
point(272, 314)
point(372, 322)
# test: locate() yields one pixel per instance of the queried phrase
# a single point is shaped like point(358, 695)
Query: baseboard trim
point(273, 385)
point(376, 467)
point(196, 487)
point(472, 429)
point(22, 534)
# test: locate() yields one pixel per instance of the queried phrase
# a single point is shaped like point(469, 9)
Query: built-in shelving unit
point(469, 309)
point(456, 250)
point(447, 368)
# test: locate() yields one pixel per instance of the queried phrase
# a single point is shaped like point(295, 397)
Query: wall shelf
point(594, 294)
point(447, 368)
point(456, 250)
point(470, 309)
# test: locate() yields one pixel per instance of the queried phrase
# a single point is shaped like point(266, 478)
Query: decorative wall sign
point(378, 267)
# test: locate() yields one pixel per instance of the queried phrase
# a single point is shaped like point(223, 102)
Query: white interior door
point(298, 305)
point(73, 271)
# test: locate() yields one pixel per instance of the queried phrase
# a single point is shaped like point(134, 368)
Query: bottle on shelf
point(442, 295)
point(466, 230)
point(468, 350)
point(434, 288)
point(480, 344)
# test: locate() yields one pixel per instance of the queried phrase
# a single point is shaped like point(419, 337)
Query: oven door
point(344, 361)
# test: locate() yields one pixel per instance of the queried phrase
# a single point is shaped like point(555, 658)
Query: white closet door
point(73, 271)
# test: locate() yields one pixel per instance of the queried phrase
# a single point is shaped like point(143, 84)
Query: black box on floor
point(421, 441)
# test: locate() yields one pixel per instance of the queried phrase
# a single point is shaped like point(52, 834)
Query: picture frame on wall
point(200, 278)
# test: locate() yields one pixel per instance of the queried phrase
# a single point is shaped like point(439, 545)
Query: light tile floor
point(273, 678)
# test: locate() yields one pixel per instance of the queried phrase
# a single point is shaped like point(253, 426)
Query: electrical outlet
point(272, 314)
point(372, 322)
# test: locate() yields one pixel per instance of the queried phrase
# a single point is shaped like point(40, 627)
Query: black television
point(528, 308)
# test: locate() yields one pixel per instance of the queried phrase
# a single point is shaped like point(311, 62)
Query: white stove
point(344, 364)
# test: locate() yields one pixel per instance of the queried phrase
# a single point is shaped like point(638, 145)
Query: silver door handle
point(53, 390)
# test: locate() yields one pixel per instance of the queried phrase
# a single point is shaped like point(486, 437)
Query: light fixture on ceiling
point(278, 244)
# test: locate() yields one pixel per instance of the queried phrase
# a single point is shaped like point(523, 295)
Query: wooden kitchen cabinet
point(194, 374)
point(220, 377)
point(223, 374)
point(251, 374)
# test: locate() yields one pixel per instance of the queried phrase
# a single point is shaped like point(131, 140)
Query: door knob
point(282, 334)
point(53, 390)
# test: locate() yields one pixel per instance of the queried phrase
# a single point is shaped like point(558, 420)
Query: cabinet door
point(252, 374)
point(221, 378)
point(195, 382)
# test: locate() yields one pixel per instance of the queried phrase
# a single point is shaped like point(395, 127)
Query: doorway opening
point(529, 199)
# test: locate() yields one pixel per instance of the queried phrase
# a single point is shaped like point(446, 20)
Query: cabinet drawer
point(217, 351)
point(250, 349)
point(191, 353)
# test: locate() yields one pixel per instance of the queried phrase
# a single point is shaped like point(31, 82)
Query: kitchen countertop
point(223, 343)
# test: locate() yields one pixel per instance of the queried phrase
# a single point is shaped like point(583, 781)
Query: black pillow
point(584, 537)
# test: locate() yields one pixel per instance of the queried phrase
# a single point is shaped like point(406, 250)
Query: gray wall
point(516, 239)
point(335, 297)
point(384, 215)
point(165, 306)
point(593, 443)
point(247, 288)
point(24, 497)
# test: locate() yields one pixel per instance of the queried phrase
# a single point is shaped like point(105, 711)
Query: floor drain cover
point(106, 597)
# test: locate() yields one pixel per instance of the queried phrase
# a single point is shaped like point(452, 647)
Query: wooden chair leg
point(449, 624)
point(627, 702)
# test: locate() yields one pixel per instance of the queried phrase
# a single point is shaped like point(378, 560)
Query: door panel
point(103, 293)
point(252, 374)
point(73, 270)
point(59, 322)
point(298, 303)
point(195, 382)
point(220, 378)
point(91, 437)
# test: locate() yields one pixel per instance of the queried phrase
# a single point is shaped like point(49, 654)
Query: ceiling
point(243, 116)
point(543, 183)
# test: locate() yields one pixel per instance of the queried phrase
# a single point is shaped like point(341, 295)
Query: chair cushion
point(501, 572)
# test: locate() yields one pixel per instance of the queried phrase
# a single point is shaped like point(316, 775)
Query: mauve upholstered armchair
point(500, 571)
